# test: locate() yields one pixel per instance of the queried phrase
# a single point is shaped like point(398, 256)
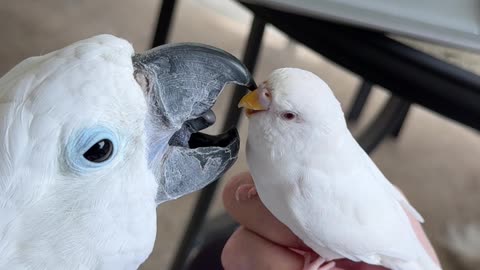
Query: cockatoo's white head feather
point(52, 110)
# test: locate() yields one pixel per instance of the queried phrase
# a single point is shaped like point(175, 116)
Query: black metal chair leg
point(164, 22)
point(250, 57)
point(387, 120)
point(403, 115)
point(213, 238)
point(359, 102)
point(201, 208)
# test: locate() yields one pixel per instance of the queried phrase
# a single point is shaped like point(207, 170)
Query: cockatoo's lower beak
point(181, 83)
point(256, 101)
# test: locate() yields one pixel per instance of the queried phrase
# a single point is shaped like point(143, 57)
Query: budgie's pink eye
point(289, 115)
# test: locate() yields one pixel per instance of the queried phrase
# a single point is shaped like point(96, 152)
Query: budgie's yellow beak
point(255, 101)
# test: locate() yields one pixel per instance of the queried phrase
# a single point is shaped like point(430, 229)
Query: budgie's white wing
point(360, 221)
point(376, 174)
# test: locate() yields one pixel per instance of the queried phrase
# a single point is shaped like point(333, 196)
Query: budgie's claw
point(317, 264)
point(245, 192)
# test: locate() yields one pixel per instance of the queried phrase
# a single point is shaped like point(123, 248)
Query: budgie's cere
point(91, 142)
point(313, 176)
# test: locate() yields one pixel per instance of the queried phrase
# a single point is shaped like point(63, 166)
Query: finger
point(253, 215)
point(422, 237)
point(246, 250)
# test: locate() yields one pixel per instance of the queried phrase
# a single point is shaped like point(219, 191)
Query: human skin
point(263, 242)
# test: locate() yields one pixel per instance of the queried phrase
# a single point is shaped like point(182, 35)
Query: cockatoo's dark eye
point(100, 151)
point(289, 115)
point(91, 148)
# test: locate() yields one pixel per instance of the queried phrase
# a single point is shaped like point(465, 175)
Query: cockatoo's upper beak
point(256, 101)
point(181, 83)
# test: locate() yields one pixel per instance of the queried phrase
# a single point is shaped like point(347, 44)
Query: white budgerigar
point(313, 176)
point(93, 137)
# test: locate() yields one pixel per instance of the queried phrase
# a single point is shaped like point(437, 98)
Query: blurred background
point(434, 161)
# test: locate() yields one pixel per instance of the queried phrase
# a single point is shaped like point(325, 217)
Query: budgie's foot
point(317, 264)
point(245, 192)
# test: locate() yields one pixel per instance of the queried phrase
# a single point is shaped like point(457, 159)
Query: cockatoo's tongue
point(181, 83)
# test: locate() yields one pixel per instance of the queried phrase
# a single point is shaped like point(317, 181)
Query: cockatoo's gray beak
point(181, 83)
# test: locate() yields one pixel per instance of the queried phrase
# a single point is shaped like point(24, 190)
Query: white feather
point(53, 217)
point(315, 178)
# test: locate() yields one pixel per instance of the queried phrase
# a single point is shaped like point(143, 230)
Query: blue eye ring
point(83, 141)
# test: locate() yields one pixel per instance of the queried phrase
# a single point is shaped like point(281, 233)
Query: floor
point(435, 161)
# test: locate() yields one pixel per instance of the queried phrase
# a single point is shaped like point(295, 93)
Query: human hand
point(262, 242)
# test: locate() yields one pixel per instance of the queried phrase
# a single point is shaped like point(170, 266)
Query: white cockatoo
point(313, 176)
point(94, 137)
